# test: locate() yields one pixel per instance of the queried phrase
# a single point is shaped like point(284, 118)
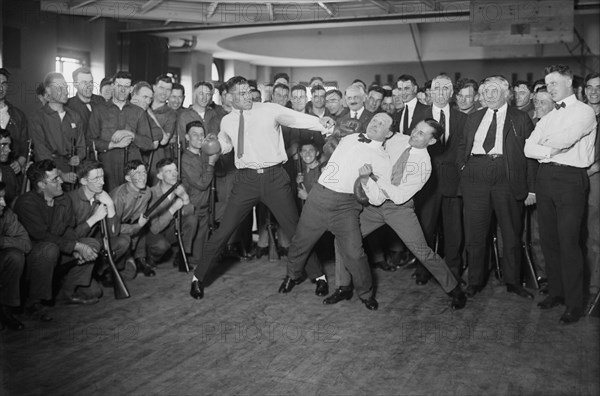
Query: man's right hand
point(68, 177)
point(120, 135)
point(99, 213)
point(86, 252)
point(365, 171)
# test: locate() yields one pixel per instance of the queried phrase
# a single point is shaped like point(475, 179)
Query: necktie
point(240, 142)
point(443, 124)
point(355, 114)
point(399, 166)
point(560, 106)
point(490, 139)
point(405, 121)
point(363, 139)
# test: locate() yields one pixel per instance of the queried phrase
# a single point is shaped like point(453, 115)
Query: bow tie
point(363, 139)
point(559, 106)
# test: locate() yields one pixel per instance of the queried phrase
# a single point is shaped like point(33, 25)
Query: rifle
point(73, 154)
point(496, 256)
point(183, 264)
point(26, 183)
point(530, 276)
point(299, 172)
point(160, 200)
point(212, 202)
point(273, 254)
point(119, 287)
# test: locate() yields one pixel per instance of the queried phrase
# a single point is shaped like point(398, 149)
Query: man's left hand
point(530, 200)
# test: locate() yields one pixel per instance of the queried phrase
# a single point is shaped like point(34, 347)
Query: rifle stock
point(119, 287)
point(184, 266)
point(26, 183)
point(530, 275)
point(212, 202)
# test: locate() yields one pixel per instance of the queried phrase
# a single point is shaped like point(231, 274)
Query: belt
point(491, 156)
point(262, 170)
point(561, 165)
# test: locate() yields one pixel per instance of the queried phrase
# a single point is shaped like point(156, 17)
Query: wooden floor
point(244, 338)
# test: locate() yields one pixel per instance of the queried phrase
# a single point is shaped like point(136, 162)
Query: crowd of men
point(445, 166)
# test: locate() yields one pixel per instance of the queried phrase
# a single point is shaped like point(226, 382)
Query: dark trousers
point(561, 200)
point(485, 189)
point(41, 264)
point(272, 187)
point(157, 245)
point(429, 203)
point(329, 210)
point(403, 220)
point(12, 263)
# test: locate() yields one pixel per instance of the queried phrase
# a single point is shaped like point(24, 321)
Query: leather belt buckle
point(260, 171)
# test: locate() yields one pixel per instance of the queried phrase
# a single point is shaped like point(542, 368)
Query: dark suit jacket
point(364, 118)
point(521, 171)
point(417, 116)
point(443, 157)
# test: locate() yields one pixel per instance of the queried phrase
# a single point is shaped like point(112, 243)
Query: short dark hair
point(563, 70)
point(317, 87)
point(80, 70)
point(360, 82)
point(281, 75)
point(132, 165)
point(376, 88)
point(164, 162)
point(194, 124)
point(203, 84)
point(236, 80)
point(4, 72)
point(122, 74)
point(314, 79)
point(252, 84)
point(222, 88)
point(590, 76)
point(37, 171)
point(523, 82)
point(179, 87)
point(40, 89)
point(466, 83)
point(438, 130)
point(105, 81)
point(298, 87)
point(2, 184)
point(281, 86)
point(164, 78)
point(407, 77)
point(4, 133)
point(542, 88)
point(139, 85)
point(334, 92)
point(86, 166)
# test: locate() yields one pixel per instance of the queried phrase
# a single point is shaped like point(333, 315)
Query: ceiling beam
point(82, 4)
point(326, 8)
point(149, 5)
point(212, 8)
point(384, 5)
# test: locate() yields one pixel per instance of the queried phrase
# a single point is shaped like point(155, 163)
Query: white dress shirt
point(341, 171)
point(572, 128)
point(356, 114)
point(483, 129)
point(263, 141)
point(410, 105)
point(416, 173)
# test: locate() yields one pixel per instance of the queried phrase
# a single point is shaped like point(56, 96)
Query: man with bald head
point(495, 177)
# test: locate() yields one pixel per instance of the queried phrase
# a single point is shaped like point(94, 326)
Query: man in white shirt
point(412, 111)
point(331, 205)
point(563, 143)
point(253, 131)
point(391, 196)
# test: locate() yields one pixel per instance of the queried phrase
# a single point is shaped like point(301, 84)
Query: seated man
point(407, 170)
point(162, 220)
point(197, 170)
point(131, 200)
point(88, 215)
point(331, 206)
point(48, 216)
point(14, 244)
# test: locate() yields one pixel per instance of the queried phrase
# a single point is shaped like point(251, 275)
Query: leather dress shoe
point(38, 312)
point(370, 303)
point(338, 295)
point(571, 315)
point(288, 284)
point(283, 251)
point(519, 291)
point(143, 267)
point(551, 302)
point(421, 280)
point(80, 300)
point(384, 265)
point(322, 288)
point(459, 299)
point(197, 290)
point(7, 319)
point(471, 290)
